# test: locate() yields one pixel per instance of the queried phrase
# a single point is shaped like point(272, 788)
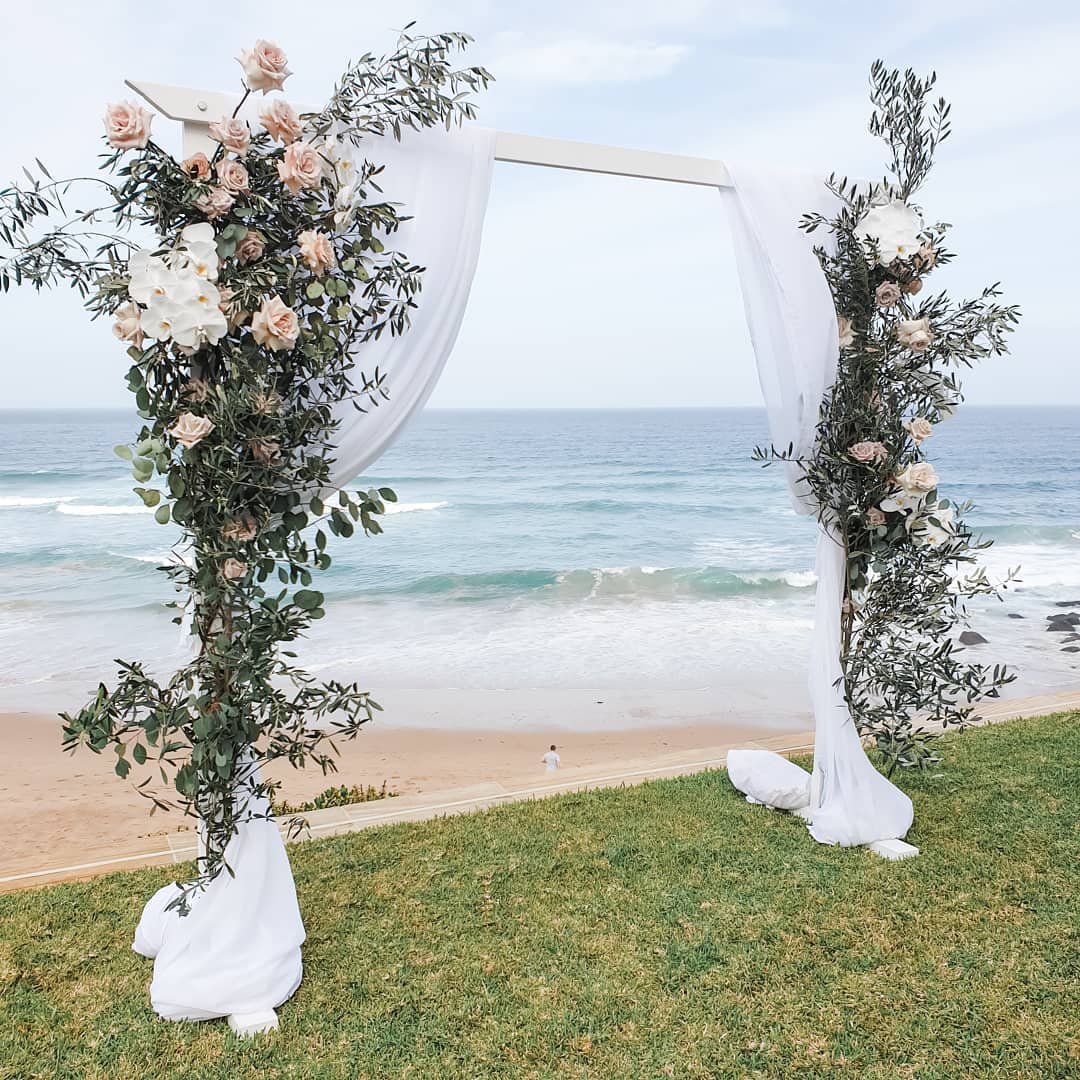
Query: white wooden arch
point(196, 109)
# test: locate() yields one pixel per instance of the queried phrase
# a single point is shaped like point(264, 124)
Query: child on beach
point(552, 759)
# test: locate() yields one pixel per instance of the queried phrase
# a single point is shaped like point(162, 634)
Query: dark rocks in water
point(969, 637)
point(1067, 603)
point(1015, 615)
point(1071, 648)
point(1062, 623)
point(1071, 637)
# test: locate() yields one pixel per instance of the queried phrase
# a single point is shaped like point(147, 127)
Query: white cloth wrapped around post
point(792, 321)
point(237, 951)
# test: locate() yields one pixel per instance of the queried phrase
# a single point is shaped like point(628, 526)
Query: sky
point(602, 291)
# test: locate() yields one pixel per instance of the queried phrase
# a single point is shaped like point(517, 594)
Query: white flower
point(337, 156)
point(149, 277)
point(159, 318)
point(344, 205)
point(919, 477)
point(904, 502)
point(892, 229)
point(935, 528)
point(182, 303)
point(199, 243)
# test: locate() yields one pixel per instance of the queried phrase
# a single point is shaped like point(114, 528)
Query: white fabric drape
point(443, 178)
point(238, 949)
point(237, 953)
point(792, 321)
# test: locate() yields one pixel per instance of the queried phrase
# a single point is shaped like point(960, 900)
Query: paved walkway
point(179, 847)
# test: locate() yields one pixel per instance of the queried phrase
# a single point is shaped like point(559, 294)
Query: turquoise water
point(528, 549)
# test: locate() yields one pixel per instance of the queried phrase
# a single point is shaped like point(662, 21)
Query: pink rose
point(301, 167)
point(874, 517)
point(234, 314)
point(233, 133)
point(232, 175)
point(266, 404)
point(234, 569)
point(197, 390)
point(251, 247)
point(316, 251)
point(241, 529)
point(275, 325)
point(265, 451)
point(189, 429)
point(919, 428)
point(845, 330)
point(926, 257)
point(918, 477)
point(215, 203)
point(127, 126)
point(868, 451)
point(887, 294)
point(914, 334)
point(197, 166)
point(128, 326)
point(280, 119)
point(266, 67)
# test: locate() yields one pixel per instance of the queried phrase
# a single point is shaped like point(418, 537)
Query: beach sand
point(57, 807)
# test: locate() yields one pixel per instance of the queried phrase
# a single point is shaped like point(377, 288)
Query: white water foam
point(20, 502)
point(411, 508)
point(81, 510)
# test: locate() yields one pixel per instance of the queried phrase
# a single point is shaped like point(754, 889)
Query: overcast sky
point(598, 291)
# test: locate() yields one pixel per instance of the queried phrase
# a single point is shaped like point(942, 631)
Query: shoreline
point(56, 807)
point(68, 817)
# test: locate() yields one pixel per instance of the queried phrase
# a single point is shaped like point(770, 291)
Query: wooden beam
point(195, 109)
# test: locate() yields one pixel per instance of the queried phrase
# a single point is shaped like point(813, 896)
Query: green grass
point(663, 930)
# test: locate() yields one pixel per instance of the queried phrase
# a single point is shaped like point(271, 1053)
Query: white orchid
point(935, 528)
point(160, 318)
point(903, 502)
point(890, 232)
point(337, 158)
point(344, 205)
point(181, 301)
point(149, 277)
point(200, 246)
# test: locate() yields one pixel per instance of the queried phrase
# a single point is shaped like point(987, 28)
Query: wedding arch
point(845, 364)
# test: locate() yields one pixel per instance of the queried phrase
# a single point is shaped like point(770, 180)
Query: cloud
point(581, 60)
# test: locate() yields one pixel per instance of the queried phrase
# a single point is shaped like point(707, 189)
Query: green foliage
point(666, 930)
point(334, 796)
point(910, 566)
point(251, 488)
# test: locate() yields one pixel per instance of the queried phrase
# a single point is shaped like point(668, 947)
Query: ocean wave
point(81, 510)
point(615, 583)
point(22, 502)
point(164, 559)
point(412, 508)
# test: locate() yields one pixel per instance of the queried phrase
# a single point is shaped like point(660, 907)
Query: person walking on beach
point(552, 759)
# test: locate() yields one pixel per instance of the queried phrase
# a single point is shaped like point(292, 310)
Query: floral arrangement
point(268, 272)
point(910, 554)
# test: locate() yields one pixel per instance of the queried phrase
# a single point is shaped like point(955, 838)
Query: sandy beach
point(56, 806)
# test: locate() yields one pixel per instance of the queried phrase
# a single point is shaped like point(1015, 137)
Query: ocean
point(529, 550)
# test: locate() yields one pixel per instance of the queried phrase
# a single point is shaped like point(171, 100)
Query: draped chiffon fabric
point(792, 321)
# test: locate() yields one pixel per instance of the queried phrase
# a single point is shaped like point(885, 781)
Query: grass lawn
point(663, 930)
